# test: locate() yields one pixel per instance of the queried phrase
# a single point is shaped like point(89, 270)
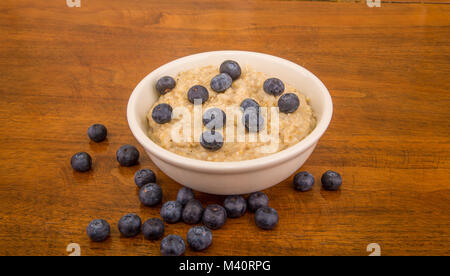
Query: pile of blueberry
point(185, 208)
point(215, 118)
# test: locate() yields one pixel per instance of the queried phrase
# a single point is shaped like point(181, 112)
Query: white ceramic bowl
point(227, 178)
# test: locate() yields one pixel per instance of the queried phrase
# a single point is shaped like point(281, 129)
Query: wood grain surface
point(387, 69)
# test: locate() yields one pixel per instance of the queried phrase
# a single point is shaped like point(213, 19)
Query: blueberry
point(214, 118)
point(130, 225)
point(150, 194)
point(257, 200)
point(266, 218)
point(214, 216)
point(199, 238)
point(288, 103)
point(153, 229)
point(184, 195)
point(165, 84)
point(143, 177)
point(235, 206)
point(199, 93)
point(232, 68)
point(171, 211)
point(172, 245)
point(81, 162)
point(211, 140)
point(252, 120)
point(192, 212)
point(162, 113)
point(127, 155)
point(303, 181)
point(98, 230)
point(221, 82)
point(273, 86)
point(97, 132)
point(249, 103)
point(331, 181)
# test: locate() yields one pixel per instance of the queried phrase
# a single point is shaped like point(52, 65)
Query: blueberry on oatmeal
point(162, 113)
point(211, 140)
point(198, 93)
point(288, 103)
point(165, 85)
point(273, 86)
point(214, 118)
point(232, 68)
point(249, 103)
point(221, 82)
point(252, 120)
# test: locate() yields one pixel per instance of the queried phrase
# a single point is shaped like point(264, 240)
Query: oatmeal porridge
point(273, 115)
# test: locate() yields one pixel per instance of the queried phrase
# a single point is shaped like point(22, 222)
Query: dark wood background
point(387, 69)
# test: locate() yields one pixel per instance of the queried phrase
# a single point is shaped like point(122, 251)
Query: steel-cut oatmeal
point(231, 91)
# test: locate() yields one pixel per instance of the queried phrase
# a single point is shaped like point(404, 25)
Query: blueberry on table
point(198, 93)
point(184, 195)
point(98, 230)
point(162, 113)
point(153, 229)
point(130, 225)
point(199, 238)
point(127, 155)
point(165, 84)
point(257, 200)
point(97, 132)
point(214, 118)
point(211, 140)
point(273, 86)
point(192, 212)
point(214, 216)
point(303, 181)
point(235, 206)
point(172, 245)
point(266, 218)
point(221, 82)
point(252, 120)
point(230, 67)
point(81, 162)
point(143, 177)
point(249, 103)
point(288, 103)
point(331, 181)
point(171, 211)
point(150, 194)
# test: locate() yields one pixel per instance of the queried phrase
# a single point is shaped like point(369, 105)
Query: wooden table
point(387, 69)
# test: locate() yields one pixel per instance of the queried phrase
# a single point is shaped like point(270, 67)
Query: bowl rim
point(230, 166)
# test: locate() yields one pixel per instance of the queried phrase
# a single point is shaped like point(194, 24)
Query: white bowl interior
point(145, 93)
